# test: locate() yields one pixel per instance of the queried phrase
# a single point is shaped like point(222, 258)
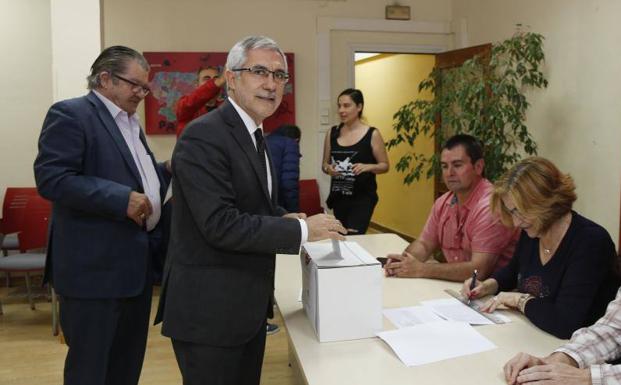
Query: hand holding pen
point(473, 288)
point(473, 282)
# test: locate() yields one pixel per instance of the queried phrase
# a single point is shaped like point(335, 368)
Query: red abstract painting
point(173, 74)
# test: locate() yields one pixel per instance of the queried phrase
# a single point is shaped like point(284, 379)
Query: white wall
point(198, 25)
point(49, 46)
point(76, 42)
point(576, 121)
point(26, 86)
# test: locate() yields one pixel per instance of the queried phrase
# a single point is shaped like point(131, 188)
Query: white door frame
point(325, 25)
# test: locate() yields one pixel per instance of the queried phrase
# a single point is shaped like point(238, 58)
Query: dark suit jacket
point(226, 230)
point(86, 169)
point(285, 154)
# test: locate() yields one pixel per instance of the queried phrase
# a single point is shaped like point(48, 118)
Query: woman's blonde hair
point(540, 191)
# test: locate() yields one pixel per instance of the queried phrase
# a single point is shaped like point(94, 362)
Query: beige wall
point(45, 61)
point(35, 78)
point(388, 82)
point(26, 85)
point(577, 120)
point(197, 25)
point(73, 53)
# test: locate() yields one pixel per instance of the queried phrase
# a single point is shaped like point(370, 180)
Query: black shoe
point(272, 329)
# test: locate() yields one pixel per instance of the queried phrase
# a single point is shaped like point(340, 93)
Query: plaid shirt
point(593, 346)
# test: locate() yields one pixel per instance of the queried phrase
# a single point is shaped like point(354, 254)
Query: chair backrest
point(35, 222)
point(15, 200)
point(310, 202)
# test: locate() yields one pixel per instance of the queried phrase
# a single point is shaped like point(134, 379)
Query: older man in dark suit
point(227, 226)
point(95, 166)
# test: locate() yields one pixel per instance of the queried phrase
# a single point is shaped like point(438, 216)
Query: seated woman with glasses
point(564, 269)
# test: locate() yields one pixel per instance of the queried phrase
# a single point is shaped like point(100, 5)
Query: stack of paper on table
point(435, 341)
point(438, 330)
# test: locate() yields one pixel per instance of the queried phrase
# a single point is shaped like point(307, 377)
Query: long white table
point(371, 361)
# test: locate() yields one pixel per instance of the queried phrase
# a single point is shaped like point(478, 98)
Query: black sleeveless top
point(347, 185)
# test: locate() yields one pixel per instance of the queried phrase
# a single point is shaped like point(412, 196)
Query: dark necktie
point(258, 135)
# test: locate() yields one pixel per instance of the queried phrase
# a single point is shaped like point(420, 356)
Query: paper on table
point(435, 341)
point(408, 316)
point(453, 310)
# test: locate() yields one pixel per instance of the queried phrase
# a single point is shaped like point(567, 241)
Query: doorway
point(389, 81)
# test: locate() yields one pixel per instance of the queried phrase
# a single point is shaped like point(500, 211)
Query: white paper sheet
point(453, 310)
point(409, 316)
point(435, 341)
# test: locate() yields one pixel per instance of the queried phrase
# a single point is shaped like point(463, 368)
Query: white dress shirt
point(130, 129)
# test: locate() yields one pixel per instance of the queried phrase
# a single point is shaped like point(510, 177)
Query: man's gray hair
point(239, 53)
point(113, 60)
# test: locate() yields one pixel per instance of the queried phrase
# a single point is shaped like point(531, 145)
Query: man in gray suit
point(227, 226)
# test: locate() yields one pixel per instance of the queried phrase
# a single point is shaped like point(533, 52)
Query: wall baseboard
point(383, 229)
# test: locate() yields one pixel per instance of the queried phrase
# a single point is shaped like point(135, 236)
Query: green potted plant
point(483, 97)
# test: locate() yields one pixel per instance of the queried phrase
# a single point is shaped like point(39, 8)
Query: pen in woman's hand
point(473, 282)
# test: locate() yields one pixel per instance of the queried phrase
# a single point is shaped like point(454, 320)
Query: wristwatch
point(521, 305)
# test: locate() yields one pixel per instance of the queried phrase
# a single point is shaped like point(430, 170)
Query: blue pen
point(472, 283)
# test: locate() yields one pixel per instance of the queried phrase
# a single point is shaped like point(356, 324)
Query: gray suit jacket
point(219, 274)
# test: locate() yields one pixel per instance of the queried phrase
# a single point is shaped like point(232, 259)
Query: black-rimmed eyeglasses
point(280, 76)
point(136, 87)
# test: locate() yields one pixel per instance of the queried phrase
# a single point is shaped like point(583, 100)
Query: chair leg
point(5, 253)
point(55, 325)
point(29, 291)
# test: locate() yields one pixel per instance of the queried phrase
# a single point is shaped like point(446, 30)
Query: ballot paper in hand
point(409, 316)
point(336, 247)
point(435, 341)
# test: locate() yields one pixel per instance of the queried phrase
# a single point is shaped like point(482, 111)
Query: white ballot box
point(341, 290)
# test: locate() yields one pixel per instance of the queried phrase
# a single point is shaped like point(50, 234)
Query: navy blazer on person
point(226, 229)
point(285, 153)
point(85, 168)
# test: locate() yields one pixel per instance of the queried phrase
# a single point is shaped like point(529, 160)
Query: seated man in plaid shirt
point(583, 360)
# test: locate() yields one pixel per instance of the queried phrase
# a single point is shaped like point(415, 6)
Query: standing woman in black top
point(353, 153)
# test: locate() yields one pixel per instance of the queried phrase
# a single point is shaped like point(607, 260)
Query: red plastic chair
point(15, 200)
point(32, 238)
point(310, 202)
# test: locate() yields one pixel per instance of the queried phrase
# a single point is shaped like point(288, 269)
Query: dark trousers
point(355, 212)
point(106, 338)
point(211, 365)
